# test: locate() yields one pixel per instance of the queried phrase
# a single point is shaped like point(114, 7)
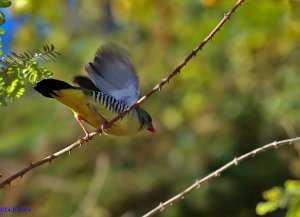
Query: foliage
point(282, 198)
point(16, 67)
point(3, 4)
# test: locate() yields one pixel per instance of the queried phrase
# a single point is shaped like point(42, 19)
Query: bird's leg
point(87, 134)
point(104, 122)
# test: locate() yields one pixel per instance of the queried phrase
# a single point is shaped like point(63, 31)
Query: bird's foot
point(86, 138)
point(103, 128)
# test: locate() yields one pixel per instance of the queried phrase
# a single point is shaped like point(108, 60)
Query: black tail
point(46, 87)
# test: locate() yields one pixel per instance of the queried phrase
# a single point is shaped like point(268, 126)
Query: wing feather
point(113, 73)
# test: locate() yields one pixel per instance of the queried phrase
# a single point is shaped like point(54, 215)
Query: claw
point(103, 129)
point(86, 138)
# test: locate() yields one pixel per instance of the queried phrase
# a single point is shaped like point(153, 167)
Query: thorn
point(182, 197)
point(69, 152)
point(80, 141)
point(103, 129)
point(165, 80)
point(158, 86)
point(161, 206)
point(30, 163)
point(50, 160)
point(80, 144)
point(217, 175)
point(236, 162)
point(198, 184)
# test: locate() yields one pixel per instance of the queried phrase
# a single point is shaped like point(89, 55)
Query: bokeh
point(239, 93)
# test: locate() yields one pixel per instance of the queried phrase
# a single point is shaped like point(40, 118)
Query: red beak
point(151, 128)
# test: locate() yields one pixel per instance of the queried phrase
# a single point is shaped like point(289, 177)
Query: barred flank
point(110, 103)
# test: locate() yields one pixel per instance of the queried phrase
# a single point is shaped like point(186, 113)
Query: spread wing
point(113, 73)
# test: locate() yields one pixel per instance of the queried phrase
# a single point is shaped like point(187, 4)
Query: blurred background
point(239, 93)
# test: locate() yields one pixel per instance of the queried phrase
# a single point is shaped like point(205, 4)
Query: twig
point(218, 172)
point(178, 69)
point(140, 101)
point(47, 159)
point(31, 165)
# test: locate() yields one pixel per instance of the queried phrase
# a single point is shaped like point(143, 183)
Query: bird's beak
point(151, 128)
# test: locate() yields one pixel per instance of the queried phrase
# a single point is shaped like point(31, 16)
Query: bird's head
point(146, 120)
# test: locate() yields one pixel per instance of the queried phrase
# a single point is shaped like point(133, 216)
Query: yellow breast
point(81, 102)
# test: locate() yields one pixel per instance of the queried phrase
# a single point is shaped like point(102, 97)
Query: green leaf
point(265, 207)
point(2, 83)
point(2, 18)
point(15, 67)
point(2, 31)
point(292, 186)
point(273, 194)
point(277, 197)
point(5, 3)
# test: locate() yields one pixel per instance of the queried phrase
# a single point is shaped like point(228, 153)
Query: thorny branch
point(218, 172)
point(158, 87)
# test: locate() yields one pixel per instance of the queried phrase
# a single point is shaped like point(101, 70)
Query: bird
point(111, 88)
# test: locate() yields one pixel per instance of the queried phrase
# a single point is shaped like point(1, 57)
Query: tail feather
point(47, 87)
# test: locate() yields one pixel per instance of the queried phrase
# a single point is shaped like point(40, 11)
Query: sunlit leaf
point(2, 18)
point(266, 207)
point(277, 197)
point(273, 194)
point(20, 66)
point(5, 3)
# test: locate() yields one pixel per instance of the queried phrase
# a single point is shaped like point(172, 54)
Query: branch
point(47, 159)
point(140, 101)
point(178, 69)
point(217, 173)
